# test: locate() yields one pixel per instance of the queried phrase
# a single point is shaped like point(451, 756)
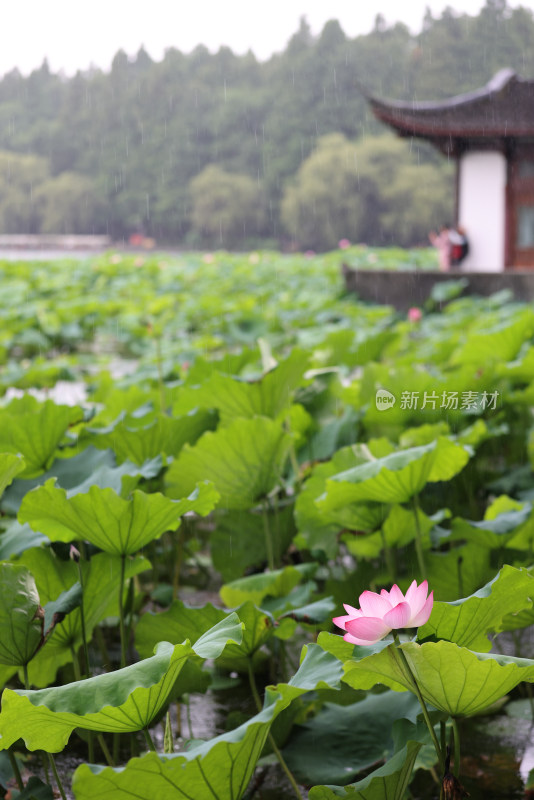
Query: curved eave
point(430, 128)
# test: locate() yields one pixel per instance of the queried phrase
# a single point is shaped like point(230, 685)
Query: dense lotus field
point(203, 459)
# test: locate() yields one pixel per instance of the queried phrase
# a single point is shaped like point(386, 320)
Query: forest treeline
point(221, 150)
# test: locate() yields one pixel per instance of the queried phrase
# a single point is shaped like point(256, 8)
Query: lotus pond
point(202, 460)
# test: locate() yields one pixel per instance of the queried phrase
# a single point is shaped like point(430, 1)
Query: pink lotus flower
point(381, 613)
point(415, 314)
point(344, 244)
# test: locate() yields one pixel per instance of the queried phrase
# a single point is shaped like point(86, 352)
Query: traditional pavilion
point(490, 133)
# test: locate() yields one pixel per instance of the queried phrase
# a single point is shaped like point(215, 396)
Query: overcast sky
point(75, 34)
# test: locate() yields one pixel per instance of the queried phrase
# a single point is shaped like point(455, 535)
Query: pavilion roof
point(502, 108)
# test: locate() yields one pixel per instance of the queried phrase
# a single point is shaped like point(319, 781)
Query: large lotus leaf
point(35, 789)
point(319, 529)
point(35, 430)
point(181, 622)
point(334, 433)
point(79, 472)
point(398, 530)
point(116, 402)
point(17, 538)
point(521, 370)
point(453, 679)
point(458, 572)
point(494, 531)
point(10, 465)
point(238, 539)
point(53, 576)
point(395, 478)
point(389, 782)
point(468, 622)
point(259, 627)
point(136, 439)
point(498, 344)
point(125, 700)
point(244, 461)
point(265, 584)
point(523, 538)
point(236, 398)
point(342, 741)
point(177, 623)
point(220, 768)
point(21, 626)
point(105, 519)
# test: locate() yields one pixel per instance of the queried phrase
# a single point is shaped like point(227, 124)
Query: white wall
point(482, 209)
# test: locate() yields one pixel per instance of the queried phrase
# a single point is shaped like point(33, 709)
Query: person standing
point(441, 242)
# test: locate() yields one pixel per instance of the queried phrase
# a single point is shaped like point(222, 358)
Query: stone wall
point(404, 289)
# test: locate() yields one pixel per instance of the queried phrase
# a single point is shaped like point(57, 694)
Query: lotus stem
point(276, 750)
point(161, 384)
point(26, 678)
point(86, 667)
point(418, 537)
point(121, 611)
point(188, 715)
point(268, 538)
point(15, 768)
point(390, 563)
point(148, 738)
point(75, 664)
point(409, 674)
point(105, 750)
point(56, 776)
point(178, 557)
point(460, 577)
point(456, 747)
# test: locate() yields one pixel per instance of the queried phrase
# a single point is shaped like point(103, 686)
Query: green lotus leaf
point(398, 530)
point(77, 473)
point(10, 465)
point(498, 344)
point(137, 439)
point(105, 519)
point(57, 609)
point(341, 741)
point(468, 622)
point(244, 460)
point(21, 624)
point(452, 679)
point(181, 622)
point(125, 700)
point(458, 572)
point(277, 583)
point(17, 538)
point(319, 528)
point(259, 627)
point(495, 530)
point(389, 782)
point(238, 540)
point(395, 478)
point(177, 623)
point(234, 398)
point(311, 613)
point(35, 789)
point(35, 430)
point(53, 576)
point(221, 767)
point(335, 432)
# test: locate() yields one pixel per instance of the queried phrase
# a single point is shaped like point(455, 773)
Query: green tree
point(20, 177)
point(228, 209)
point(70, 204)
point(372, 190)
